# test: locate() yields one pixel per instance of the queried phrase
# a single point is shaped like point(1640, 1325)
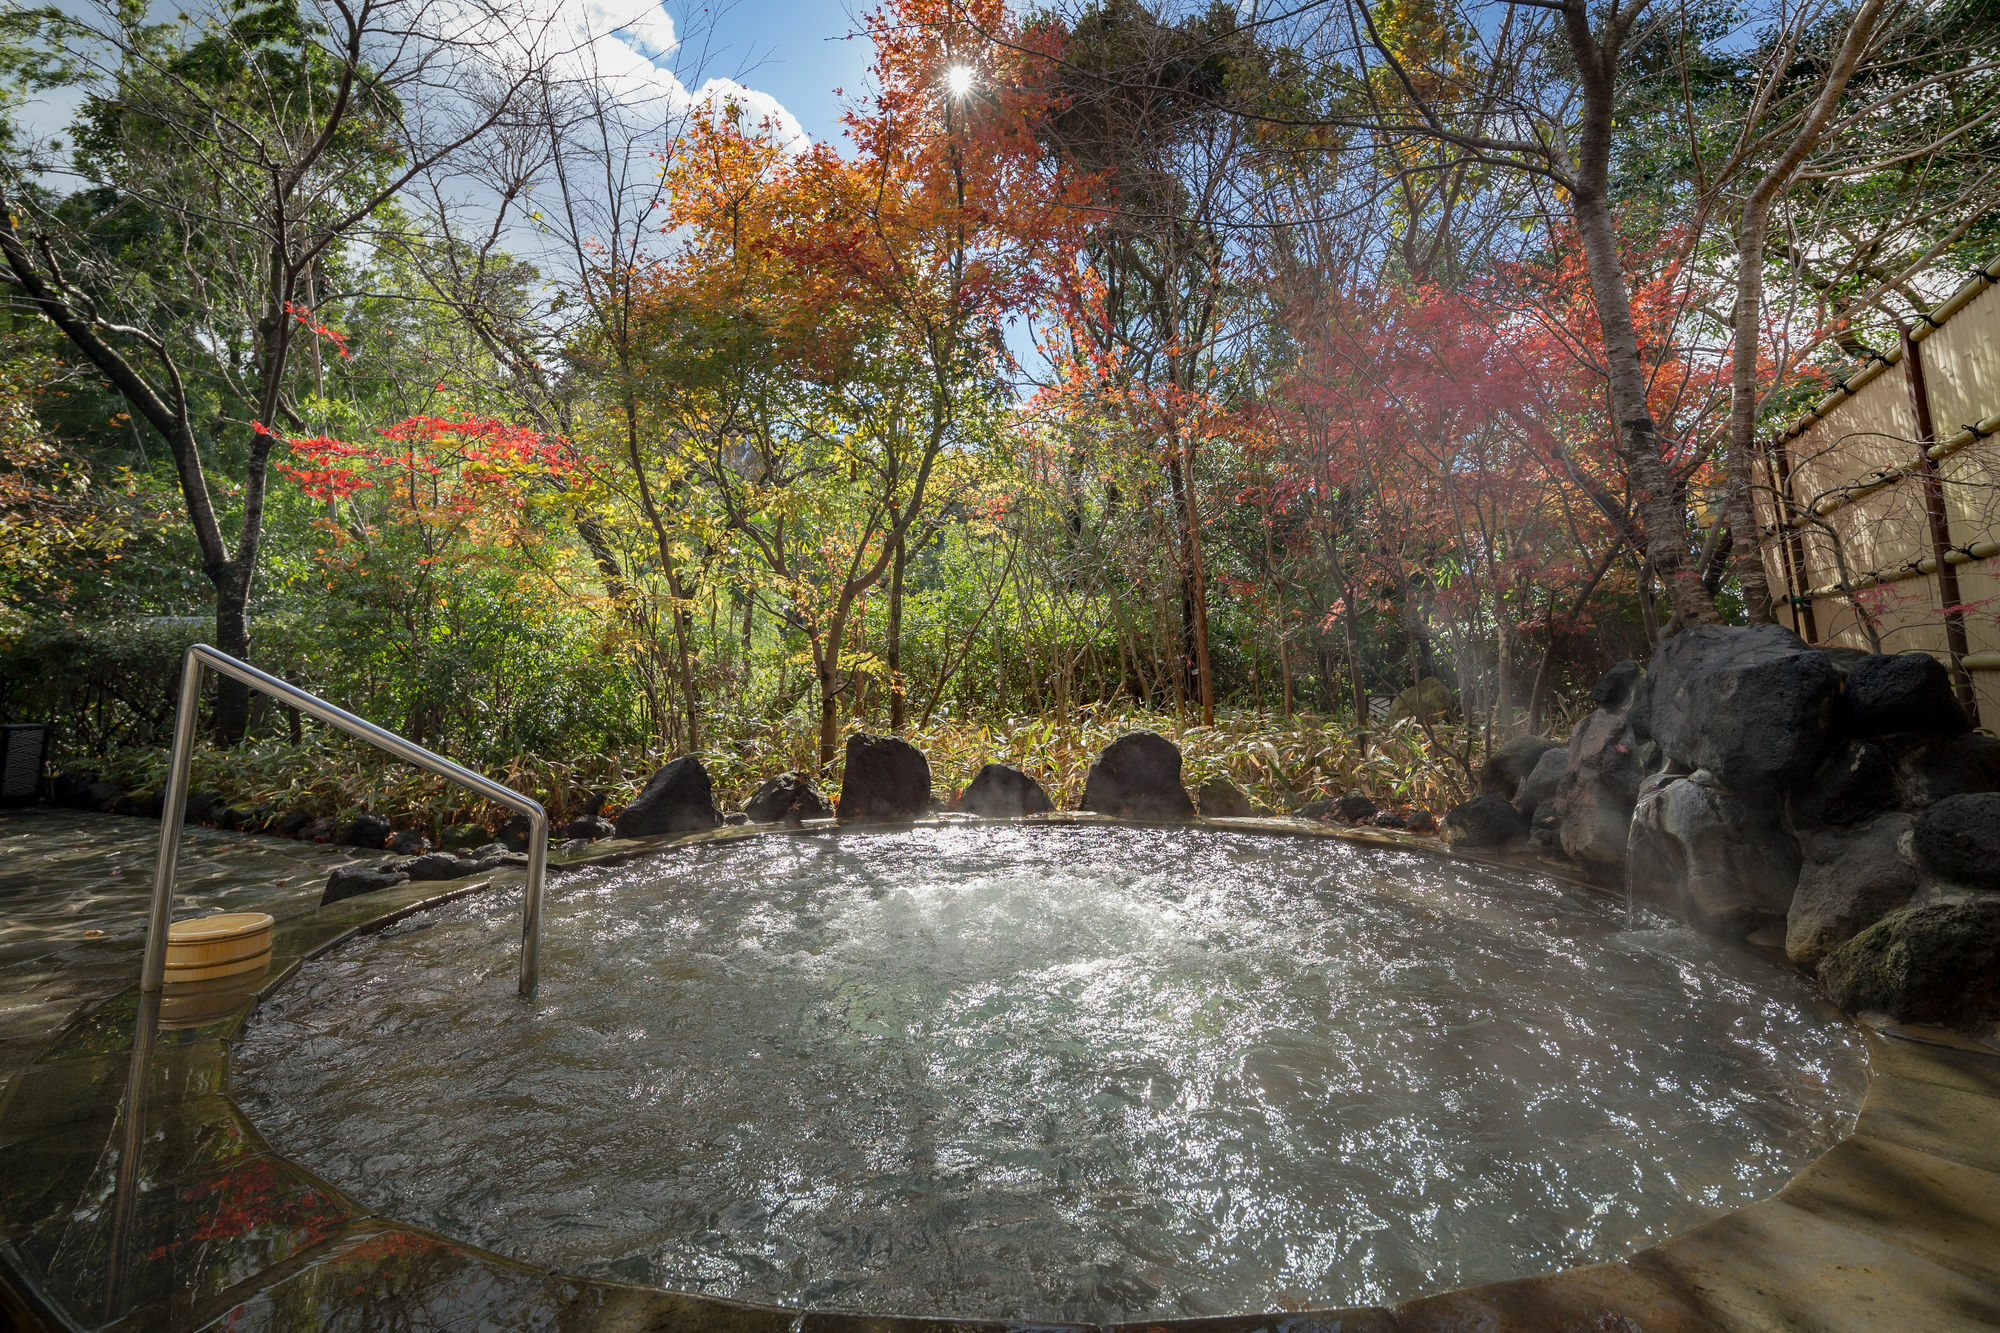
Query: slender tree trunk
point(893, 649)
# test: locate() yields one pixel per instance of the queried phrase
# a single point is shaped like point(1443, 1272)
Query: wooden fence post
point(1940, 525)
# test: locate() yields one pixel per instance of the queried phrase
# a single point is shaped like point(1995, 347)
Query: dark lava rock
point(439, 865)
point(202, 807)
point(464, 835)
point(492, 854)
point(1900, 692)
point(1389, 819)
point(1614, 688)
point(589, 827)
point(1849, 878)
point(787, 798)
point(1138, 777)
point(102, 794)
point(887, 781)
point(1354, 807)
point(1716, 859)
point(367, 831)
point(319, 830)
point(351, 881)
point(1420, 821)
point(409, 842)
point(999, 791)
point(1957, 842)
point(292, 823)
point(1543, 782)
point(1322, 809)
point(1751, 704)
point(1933, 770)
point(1600, 782)
point(515, 830)
point(1483, 822)
point(1855, 783)
point(736, 817)
point(1545, 831)
point(1939, 963)
point(1509, 766)
point(677, 799)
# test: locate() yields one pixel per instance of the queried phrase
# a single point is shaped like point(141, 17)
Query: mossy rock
point(1432, 694)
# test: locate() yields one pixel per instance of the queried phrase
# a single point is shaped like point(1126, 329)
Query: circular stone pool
point(1051, 1072)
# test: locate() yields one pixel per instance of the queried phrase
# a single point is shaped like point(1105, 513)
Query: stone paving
point(135, 1195)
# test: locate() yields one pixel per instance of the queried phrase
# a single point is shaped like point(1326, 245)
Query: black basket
point(24, 748)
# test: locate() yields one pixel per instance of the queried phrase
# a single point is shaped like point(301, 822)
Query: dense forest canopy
point(1228, 362)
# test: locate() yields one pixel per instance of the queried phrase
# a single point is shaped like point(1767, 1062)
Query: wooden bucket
point(224, 945)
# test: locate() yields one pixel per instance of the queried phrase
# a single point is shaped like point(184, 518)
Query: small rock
point(409, 842)
point(319, 830)
point(999, 791)
point(232, 818)
point(1354, 808)
point(1509, 766)
point(1390, 819)
point(787, 798)
point(201, 806)
point(351, 881)
point(100, 795)
point(1483, 822)
point(1614, 688)
point(514, 831)
point(736, 817)
point(1849, 878)
point(1421, 821)
point(1899, 692)
point(439, 865)
point(366, 831)
point(1933, 770)
point(1321, 809)
point(887, 781)
point(1938, 963)
point(1957, 843)
point(1545, 831)
point(292, 823)
point(1854, 784)
point(464, 835)
point(589, 827)
point(1138, 777)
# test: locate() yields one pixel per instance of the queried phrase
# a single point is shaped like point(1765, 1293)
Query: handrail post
point(152, 972)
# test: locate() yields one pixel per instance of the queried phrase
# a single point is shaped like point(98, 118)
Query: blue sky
point(798, 51)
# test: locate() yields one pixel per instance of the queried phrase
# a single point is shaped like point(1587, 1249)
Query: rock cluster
point(1758, 787)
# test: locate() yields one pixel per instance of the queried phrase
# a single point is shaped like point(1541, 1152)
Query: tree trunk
point(893, 649)
point(232, 636)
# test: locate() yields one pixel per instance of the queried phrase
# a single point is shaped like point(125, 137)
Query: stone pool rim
point(1899, 1220)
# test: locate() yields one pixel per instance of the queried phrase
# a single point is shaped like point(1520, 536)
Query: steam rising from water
point(1052, 1073)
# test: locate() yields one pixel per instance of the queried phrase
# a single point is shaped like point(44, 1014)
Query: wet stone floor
point(74, 889)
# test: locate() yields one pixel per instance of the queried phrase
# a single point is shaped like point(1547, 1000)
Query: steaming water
point(1052, 1073)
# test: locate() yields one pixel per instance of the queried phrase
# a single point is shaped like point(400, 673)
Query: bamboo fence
point(1880, 508)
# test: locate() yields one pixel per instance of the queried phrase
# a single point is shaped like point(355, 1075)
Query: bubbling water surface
point(1052, 1073)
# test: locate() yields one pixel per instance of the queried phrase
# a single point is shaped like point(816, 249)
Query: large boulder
point(1543, 782)
point(1889, 693)
point(999, 791)
point(1355, 807)
point(1849, 878)
point(1750, 704)
point(1933, 769)
point(888, 781)
point(1853, 784)
point(1719, 861)
point(1221, 798)
point(677, 799)
point(1510, 764)
point(351, 881)
point(1600, 782)
point(1938, 963)
point(1138, 777)
point(1482, 822)
point(786, 799)
point(1429, 699)
point(1615, 687)
point(1957, 843)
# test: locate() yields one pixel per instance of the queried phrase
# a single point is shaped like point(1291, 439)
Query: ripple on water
point(1052, 1073)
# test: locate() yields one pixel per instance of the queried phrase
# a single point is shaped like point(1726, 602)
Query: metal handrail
point(153, 971)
